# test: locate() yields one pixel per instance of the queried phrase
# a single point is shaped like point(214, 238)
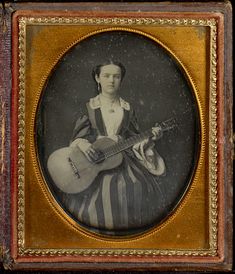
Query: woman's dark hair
point(96, 70)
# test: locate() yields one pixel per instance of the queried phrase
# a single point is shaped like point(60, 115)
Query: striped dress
point(126, 199)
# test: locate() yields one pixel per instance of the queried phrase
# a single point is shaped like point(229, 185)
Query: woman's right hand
point(94, 155)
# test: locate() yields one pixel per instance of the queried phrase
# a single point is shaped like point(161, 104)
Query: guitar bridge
point(74, 168)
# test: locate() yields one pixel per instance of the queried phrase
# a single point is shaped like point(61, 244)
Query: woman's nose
point(111, 78)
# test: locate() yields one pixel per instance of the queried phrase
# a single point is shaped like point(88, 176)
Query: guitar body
point(72, 172)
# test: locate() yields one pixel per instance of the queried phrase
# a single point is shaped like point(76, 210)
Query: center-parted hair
point(97, 69)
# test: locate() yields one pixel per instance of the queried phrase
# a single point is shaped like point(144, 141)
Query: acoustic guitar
point(72, 172)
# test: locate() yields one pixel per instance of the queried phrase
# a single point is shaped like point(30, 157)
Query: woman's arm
point(149, 157)
point(83, 134)
point(145, 151)
point(83, 137)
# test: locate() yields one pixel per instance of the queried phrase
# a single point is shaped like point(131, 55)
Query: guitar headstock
point(169, 124)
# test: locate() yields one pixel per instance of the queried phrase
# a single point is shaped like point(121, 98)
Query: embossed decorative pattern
point(118, 22)
point(21, 134)
point(213, 142)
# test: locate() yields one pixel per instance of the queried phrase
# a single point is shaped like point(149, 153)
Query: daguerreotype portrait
point(116, 136)
point(117, 132)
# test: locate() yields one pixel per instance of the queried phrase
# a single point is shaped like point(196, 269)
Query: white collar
point(96, 103)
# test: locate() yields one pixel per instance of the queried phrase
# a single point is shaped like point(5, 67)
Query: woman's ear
point(97, 78)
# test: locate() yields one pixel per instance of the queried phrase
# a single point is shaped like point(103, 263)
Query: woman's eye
point(113, 76)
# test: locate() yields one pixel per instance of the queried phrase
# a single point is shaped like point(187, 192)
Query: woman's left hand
point(149, 142)
point(157, 132)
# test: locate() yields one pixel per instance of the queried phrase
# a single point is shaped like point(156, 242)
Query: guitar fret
point(123, 145)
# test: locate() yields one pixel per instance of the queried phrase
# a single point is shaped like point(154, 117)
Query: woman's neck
point(109, 97)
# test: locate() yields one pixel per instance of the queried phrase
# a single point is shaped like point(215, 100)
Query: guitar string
point(129, 142)
point(133, 140)
point(113, 149)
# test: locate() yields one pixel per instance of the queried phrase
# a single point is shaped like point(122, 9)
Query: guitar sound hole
point(100, 159)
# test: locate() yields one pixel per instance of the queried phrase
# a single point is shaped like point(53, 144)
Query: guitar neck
point(125, 144)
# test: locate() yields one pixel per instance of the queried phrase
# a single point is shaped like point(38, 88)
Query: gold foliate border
point(21, 134)
point(115, 252)
point(213, 207)
point(213, 149)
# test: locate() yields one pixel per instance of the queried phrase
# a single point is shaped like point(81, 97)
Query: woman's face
point(109, 79)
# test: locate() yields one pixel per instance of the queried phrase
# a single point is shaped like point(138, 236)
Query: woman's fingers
point(92, 154)
point(90, 149)
point(157, 132)
point(145, 143)
point(88, 156)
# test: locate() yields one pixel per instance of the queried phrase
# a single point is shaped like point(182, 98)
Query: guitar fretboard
point(125, 144)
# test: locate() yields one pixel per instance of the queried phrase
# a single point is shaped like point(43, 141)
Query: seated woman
point(127, 197)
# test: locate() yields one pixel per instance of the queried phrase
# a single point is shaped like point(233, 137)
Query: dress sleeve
point(82, 128)
point(133, 128)
point(148, 157)
point(83, 133)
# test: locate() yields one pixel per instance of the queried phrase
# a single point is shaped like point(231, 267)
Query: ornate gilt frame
point(23, 22)
point(211, 122)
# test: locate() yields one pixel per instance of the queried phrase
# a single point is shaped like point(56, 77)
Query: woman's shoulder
point(125, 105)
point(94, 102)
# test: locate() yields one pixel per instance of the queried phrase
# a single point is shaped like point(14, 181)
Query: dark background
point(155, 86)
